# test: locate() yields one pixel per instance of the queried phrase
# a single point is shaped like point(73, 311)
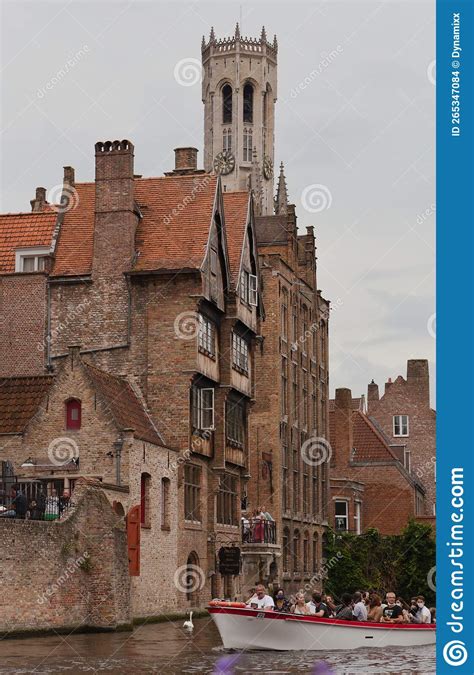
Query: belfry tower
point(239, 91)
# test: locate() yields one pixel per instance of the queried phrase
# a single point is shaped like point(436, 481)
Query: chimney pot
point(37, 204)
point(69, 177)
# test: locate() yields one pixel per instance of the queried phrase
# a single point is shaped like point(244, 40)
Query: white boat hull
point(254, 629)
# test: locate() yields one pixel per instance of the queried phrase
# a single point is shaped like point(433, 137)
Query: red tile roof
point(124, 404)
point(23, 230)
point(20, 398)
point(368, 442)
point(236, 205)
point(172, 234)
point(177, 212)
point(74, 249)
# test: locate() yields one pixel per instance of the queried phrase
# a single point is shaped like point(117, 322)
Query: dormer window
point(73, 414)
point(31, 259)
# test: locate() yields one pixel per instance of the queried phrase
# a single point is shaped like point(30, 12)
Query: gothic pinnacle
point(237, 31)
point(263, 35)
point(212, 36)
point(281, 200)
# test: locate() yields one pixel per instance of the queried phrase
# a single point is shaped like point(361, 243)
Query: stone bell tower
point(239, 91)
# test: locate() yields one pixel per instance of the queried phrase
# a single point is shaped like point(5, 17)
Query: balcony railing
point(258, 531)
point(34, 500)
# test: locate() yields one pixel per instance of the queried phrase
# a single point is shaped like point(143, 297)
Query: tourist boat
point(241, 627)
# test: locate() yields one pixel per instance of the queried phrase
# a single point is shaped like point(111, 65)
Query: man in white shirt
point(260, 600)
point(359, 610)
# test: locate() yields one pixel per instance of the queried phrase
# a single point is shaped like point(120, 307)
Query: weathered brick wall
point(22, 324)
point(73, 572)
point(411, 397)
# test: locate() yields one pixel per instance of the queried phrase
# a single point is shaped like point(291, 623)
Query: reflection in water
point(168, 648)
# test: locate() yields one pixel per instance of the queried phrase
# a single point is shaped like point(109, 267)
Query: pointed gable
point(236, 209)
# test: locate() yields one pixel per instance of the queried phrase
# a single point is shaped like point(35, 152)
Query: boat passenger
point(423, 613)
point(300, 606)
point(345, 609)
point(329, 602)
point(405, 608)
point(317, 607)
point(359, 609)
point(433, 614)
point(260, 600)
point(392, 613)
point(375, 608)
point(281, 603)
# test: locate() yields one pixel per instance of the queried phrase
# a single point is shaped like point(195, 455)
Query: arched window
point(73, 414)
point(247, 145)
point(165, 503)
point(315, 551)
point(118, 508)
point(227, 104)
point(296, 551)
point(306, 551)
point(194, 578)
point(286, 550)
point(227, 139)
point(248, 103)
point(145, 511)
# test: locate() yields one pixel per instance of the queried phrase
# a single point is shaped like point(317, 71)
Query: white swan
point(189, 624)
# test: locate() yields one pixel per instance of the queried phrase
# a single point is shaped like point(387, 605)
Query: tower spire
point(212, 36)
point(281, 199)
point(263, 35)
point(237, 31)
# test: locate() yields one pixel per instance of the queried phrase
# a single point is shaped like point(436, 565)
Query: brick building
point(403, 413)
point(370, 486)
point(184, 294)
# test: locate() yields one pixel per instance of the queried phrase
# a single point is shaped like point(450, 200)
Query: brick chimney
point(388, 384)
point(185, 161)
point(38, 203)
point(418, 378)
point(372, 393)
point(343, 441)
point(113, 176)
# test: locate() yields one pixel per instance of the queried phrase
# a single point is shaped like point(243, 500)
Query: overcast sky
point(355, 116)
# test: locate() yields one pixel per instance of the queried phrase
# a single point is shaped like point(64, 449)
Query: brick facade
point(410, 397)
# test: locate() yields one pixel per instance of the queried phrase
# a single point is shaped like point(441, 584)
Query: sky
point(355, 128)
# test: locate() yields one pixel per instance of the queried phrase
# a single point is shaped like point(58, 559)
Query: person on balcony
point(258, 523)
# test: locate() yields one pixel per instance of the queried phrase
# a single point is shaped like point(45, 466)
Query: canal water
point(169, 648)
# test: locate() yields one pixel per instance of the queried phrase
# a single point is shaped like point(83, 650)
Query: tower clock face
point(224, 162)
point(267, 168)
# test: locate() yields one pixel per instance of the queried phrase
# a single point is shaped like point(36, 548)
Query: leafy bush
point(383, 562)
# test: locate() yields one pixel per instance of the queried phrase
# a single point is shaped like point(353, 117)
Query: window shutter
point(133, 541)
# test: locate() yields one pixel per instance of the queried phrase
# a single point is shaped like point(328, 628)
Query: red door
point(133, 540)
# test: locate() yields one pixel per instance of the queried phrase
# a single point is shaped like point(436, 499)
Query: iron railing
point(34, 500)
point(258, 531)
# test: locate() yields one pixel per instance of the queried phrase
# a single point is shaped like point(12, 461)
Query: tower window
point(227, 139)
point(227, 104)
point(247, 145)
point(248, 103)
point(73, 414)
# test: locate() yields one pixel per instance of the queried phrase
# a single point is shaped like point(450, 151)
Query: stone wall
point(63, 574)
